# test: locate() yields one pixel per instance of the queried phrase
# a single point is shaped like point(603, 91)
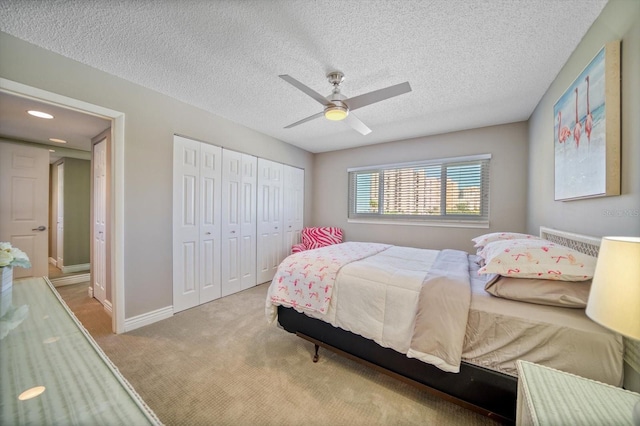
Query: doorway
point(70, 217)
point(115, 182)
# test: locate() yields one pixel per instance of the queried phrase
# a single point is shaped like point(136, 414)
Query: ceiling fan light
point(336, 113)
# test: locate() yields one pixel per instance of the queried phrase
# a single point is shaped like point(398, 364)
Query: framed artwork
point(587, 130)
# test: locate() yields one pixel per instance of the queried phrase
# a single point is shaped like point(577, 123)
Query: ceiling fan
point(338, 107)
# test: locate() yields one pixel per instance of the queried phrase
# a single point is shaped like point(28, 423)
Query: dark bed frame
point(487, 392)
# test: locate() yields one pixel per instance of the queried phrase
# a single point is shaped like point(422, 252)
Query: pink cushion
point(296, 248)
point(314, 238)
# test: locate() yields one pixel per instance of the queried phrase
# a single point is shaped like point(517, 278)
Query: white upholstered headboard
point(591, 245)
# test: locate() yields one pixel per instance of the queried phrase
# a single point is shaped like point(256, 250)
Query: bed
point(425, 317)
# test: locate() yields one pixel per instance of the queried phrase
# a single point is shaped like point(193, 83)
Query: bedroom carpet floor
point(222, 364)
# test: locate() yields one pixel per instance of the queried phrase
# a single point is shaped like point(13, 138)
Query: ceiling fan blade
point(304, 120)
point(356, 124)
point(377, 96)
point(309, 91)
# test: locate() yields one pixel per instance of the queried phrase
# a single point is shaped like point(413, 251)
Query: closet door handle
point(40, 228)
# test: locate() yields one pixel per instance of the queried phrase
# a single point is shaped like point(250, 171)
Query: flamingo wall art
point(587, 130)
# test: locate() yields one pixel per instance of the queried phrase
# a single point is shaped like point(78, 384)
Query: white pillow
point(529, 258)
point(485, 239)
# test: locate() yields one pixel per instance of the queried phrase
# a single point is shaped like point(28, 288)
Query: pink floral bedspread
point(304, 280)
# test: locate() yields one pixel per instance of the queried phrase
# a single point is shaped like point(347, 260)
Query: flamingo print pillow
point(539, 259)
point(485, 239)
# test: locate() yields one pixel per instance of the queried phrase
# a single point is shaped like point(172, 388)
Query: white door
point(293, 195)
point(231, 224)
point(210, 186)
point(270, 220)
point(196, 223)
point(238, 221)
point(99, 231)
point(249, 221)
point(24, 210)
point(60, 216)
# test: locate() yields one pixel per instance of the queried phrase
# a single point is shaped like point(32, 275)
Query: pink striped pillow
point(297, 248)
point(314, 238)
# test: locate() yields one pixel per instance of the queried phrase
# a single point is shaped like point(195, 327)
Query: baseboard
point(108, 308)
point(76, 268)
point(53, 261)
point(73, 279)
point(148, 318)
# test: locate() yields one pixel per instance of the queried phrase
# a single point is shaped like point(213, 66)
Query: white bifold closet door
point(293, 213)
point(239, 181)
point(196, 223)
point(270, 218)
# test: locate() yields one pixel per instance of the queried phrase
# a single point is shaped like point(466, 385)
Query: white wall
point(151, 119)
point(508, 146)
point(616, 215)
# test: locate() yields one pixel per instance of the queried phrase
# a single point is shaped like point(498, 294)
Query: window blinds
point(445, 189)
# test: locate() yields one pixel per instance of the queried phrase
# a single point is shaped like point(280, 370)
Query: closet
point(293, 213)
point(239, 180)
point(270, 218)
point(235, 217)
point(197, 212)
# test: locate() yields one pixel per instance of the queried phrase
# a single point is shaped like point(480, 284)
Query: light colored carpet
point(88, 310)
point(222, 364)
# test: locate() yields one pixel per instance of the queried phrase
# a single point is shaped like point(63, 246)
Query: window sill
point(439, 224)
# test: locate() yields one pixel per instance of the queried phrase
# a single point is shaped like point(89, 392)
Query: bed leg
point(316, 356)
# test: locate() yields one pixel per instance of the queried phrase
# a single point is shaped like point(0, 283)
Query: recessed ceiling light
point(57, 140)
point(31, 393)
point(52, 150)
point(40, 114)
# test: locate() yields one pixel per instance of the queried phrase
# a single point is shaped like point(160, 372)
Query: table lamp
point(614, 300)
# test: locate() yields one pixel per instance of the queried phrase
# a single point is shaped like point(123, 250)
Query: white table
point(43, 345)
point(550, 397)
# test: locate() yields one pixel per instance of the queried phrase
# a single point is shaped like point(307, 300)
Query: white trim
point(148, 318)
point(76, 268)
point(117, 182)
point(423, 162)
point(108, 307)
point(117, 222)
point(53, 261)
point(434, 223)
point(73, 279)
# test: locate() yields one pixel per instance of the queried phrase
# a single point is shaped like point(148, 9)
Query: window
point(444, 190)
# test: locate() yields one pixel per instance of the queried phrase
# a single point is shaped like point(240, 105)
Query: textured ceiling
point(470, 63)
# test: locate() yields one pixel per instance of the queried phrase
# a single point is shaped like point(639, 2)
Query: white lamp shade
point(614, 300)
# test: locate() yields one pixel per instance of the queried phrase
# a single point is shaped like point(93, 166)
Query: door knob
point(40, 228)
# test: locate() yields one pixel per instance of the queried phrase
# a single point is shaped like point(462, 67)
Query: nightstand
point(550, 397)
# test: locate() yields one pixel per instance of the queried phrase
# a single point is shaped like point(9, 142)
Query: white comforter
point(392, 280)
